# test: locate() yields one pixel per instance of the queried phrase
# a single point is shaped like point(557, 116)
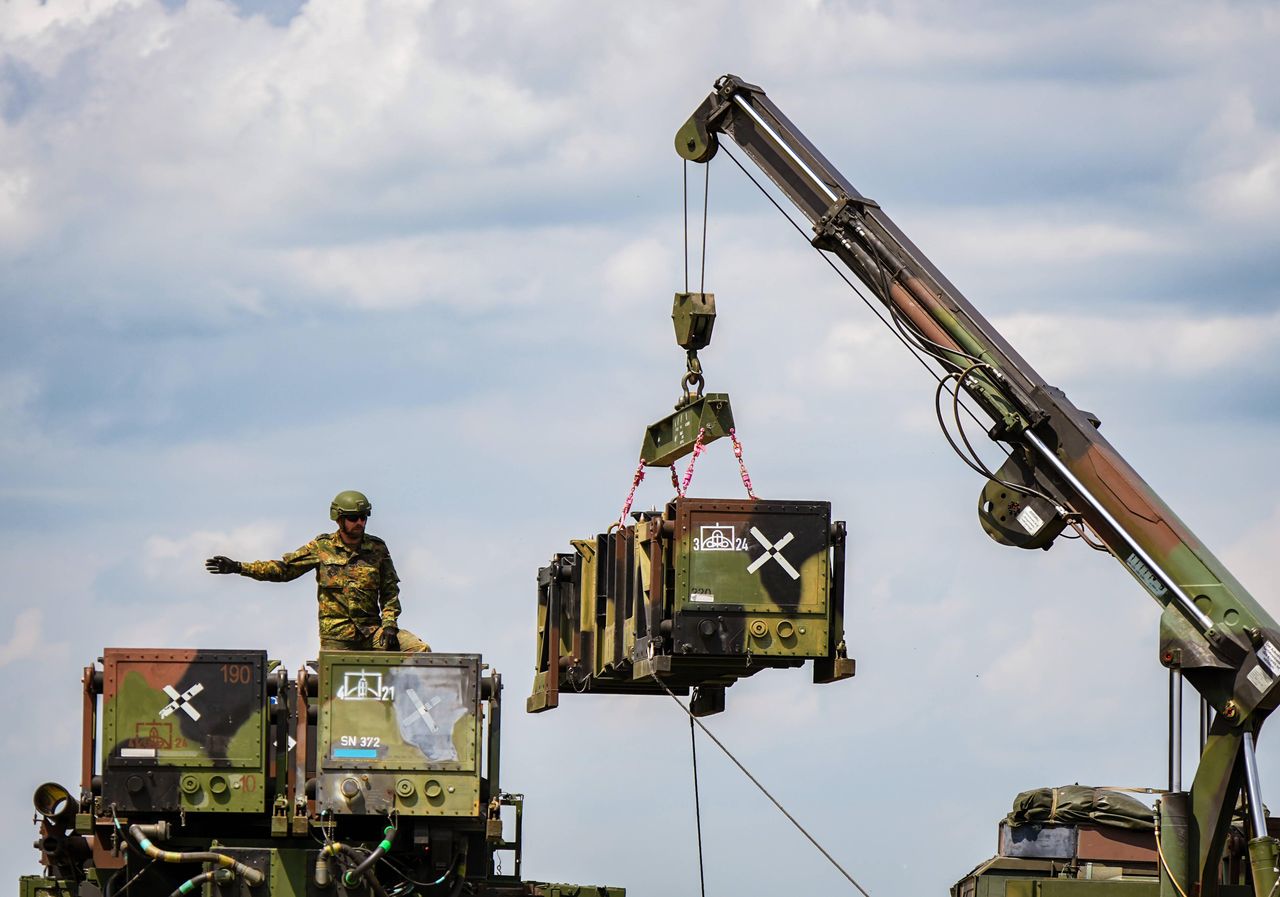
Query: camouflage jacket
point(357, 588)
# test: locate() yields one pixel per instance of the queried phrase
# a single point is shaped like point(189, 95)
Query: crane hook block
point(694, 315)
point(675, 435)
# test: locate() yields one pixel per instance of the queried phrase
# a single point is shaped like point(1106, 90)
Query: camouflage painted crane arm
point(1060, 467)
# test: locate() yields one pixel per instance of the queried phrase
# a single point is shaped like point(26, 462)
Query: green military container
point(696, 596)
point(185, 730)
point(399, 732)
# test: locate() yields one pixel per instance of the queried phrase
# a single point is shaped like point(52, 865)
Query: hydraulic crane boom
point(1060, 471)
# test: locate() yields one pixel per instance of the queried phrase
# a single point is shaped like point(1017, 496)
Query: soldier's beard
point(350, 530)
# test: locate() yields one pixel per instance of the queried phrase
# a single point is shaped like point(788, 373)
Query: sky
point(255, 253)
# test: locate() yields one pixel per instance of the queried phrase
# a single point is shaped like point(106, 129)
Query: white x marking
point(424, 710)
point(181, 701)
point(773, 551)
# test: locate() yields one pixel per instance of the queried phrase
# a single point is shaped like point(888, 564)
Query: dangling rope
point(754, 781)
point(697, 804)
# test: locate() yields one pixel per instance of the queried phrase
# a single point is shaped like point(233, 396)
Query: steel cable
point(697, 805)
point(754, 781)
point(916, 352)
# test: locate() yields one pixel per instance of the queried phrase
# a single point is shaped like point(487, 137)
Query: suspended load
point(703, 592)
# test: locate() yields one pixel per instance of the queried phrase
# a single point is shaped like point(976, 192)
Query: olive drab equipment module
point(185, 730)
point(698, 596)
point(364, 775)
point(400, 732)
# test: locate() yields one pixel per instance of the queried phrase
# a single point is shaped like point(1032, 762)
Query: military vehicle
point(219, 772)
point(1059, 473)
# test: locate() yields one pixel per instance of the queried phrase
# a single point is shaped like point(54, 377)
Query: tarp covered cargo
point(1077, 804)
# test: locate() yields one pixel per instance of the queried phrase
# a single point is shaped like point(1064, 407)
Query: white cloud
point(173, 560)
point(1254, 559)
point(25, 641)
point(36, 21)
point(1178, 347)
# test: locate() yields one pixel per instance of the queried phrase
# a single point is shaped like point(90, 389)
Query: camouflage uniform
point(358, 590)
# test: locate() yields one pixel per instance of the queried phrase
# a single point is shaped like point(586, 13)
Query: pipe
point(144, 833)
point(1253, 787)
point(218, 875)
point(784, 146)
point(1184, 601)
point(1175, 730)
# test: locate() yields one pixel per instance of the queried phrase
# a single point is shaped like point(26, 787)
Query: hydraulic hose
point(219, 875)
point(387, 835)
point(363, 868)
point(144, 833)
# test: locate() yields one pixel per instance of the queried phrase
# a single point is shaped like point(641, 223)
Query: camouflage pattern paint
point(357, 589)
point(185, 730)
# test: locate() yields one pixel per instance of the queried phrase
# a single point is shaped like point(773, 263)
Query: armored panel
point(752, 577)
point(399, 732)
point(184, 730)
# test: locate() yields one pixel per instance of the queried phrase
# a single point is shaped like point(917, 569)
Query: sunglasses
point(354, 517)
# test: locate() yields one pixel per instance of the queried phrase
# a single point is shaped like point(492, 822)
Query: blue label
point(355, 753)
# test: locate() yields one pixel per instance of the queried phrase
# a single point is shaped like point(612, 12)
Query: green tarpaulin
point(1077, 804)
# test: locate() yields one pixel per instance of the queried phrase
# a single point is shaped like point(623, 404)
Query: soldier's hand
point(389, 637)
point(220, 564)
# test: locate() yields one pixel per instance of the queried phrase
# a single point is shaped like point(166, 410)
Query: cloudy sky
point(256, 252)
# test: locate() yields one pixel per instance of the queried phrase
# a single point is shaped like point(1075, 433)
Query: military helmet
point(349, 502)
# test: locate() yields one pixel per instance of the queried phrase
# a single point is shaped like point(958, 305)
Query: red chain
point(742, 467)
point(675, 478)
point(698, 448)
point(631, 496)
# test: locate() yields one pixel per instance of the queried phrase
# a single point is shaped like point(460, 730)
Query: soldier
point(358, 589)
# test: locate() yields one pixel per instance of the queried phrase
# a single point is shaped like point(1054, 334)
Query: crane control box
point(696, 596)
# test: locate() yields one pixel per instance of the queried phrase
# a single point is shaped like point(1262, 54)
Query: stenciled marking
point(181, 701)
point(1146, 577)
point(1030, 520)
point(365, 685)
point(773, 551)
point(718, 537)
point(704, 595)
point(424, 710)
point(1270, 657)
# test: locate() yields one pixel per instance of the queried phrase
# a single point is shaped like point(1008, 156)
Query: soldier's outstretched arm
point(289, 567)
